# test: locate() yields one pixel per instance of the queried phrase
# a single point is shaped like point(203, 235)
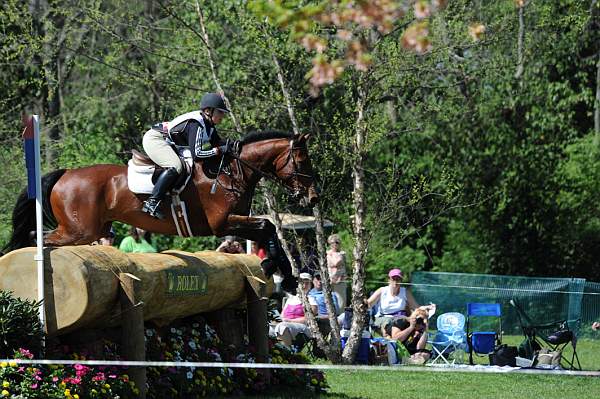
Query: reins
point(273, 177)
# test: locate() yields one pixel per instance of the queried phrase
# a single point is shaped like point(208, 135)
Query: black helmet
point(213, 100)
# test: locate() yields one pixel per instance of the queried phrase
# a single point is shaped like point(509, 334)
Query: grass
point(428, 383)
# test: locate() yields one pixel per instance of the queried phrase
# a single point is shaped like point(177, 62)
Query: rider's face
point(217, 116)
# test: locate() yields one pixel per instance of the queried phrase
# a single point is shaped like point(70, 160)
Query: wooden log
point(82, 283)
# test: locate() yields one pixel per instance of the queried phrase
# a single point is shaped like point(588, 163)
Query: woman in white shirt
point(394, 301)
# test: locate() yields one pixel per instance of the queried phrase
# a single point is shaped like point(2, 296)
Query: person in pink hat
point(393, 301)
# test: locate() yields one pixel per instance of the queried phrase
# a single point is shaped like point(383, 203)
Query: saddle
point(142, 172)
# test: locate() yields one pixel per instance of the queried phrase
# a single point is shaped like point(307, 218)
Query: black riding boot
point(165, 181)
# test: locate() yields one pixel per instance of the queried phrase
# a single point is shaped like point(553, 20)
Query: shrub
point(20, 325)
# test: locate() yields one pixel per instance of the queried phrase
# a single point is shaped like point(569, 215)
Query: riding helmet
point(213, 100)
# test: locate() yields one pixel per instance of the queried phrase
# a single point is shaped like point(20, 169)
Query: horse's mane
point(255, 136)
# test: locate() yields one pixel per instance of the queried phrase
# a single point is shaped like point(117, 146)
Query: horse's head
point(294, 168)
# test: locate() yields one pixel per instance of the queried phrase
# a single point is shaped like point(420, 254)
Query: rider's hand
point(224, 149)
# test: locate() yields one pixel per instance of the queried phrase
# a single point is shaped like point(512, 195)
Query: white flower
point(189, 375)
point(149, 332)
point(173, 330)
point(192, 345)
point(195, 325)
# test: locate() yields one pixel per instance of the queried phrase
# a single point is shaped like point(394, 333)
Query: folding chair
point(556, 336)
point(449, 338)
point(483, 342)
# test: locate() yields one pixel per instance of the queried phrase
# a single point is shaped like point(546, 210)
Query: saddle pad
point(139, 178)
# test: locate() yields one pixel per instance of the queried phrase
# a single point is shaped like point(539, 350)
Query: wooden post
point(228, 326)
point(132, 332)
point(258, 328)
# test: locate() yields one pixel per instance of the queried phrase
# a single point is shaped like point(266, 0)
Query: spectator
point(108, 240)
point(293, 321)
point(596, 326)
point(316, 299)
point(336, 264)
point(393, 301)
point(138, 241)
point(230, 246)
point(258, 250)
point(411, 332)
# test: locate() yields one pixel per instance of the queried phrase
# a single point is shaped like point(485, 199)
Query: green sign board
point(186, 282)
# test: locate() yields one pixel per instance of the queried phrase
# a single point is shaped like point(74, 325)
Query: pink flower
point(54, 379)
point(112, 376)
point(34, 386)
point(26, 353)
point(99, 377)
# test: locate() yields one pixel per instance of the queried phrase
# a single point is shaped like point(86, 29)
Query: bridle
point(293, 188)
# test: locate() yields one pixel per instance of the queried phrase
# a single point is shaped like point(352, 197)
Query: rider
point(196, 129)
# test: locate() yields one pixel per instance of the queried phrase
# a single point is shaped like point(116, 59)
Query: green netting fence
point(544, 299)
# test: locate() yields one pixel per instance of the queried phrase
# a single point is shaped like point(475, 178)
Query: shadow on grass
point(288, 393)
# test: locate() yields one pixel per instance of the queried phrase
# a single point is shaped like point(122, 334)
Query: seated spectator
point(230, 246)
point(257, 250)
point(411, 332)
point(293, 321)
point(316, 298)
point(393, 301)
point(137, 241)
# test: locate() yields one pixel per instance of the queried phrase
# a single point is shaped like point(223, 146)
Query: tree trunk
point(213, 67)
point(520, 41)
point(332, 350)
point(597, 104)
point(359, 305)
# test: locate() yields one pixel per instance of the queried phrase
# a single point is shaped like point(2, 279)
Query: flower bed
point(56, 381)
point(198, 342)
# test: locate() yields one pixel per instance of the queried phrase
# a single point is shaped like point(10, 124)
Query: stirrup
point(151, 207)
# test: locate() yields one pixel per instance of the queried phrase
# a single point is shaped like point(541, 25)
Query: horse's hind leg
point(73, 235)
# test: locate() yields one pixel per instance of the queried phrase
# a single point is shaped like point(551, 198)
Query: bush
point(20, 325)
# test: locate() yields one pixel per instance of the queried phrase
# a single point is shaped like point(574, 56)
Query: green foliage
point(467, 167)
point(20, 325)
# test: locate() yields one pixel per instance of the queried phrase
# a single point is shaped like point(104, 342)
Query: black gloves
point(225, 148)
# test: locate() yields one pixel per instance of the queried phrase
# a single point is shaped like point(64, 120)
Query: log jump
point(82, 283)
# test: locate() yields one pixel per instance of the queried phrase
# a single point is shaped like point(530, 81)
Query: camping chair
point(555, 336)
point(483, 342)
point(450, 337)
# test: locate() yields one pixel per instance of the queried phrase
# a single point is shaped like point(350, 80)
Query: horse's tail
point(23, 216)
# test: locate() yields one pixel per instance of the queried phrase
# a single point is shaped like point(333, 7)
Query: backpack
point(504, 355)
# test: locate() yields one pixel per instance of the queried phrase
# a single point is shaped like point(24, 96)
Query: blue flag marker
point(29, 146)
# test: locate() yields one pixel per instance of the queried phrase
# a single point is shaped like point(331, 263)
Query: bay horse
point(81, 204)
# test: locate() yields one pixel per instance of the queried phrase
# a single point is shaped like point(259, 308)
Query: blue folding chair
point(449, 338)
point(483, 342)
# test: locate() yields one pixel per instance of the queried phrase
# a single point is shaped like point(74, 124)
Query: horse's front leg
point(263, 231)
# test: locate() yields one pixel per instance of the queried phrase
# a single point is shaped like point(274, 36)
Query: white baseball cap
point(305, 276)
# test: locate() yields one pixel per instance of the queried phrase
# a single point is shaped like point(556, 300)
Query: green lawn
point(430, 384)
point(399, 383)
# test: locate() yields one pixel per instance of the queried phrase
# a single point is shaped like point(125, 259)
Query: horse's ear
point(301, 137)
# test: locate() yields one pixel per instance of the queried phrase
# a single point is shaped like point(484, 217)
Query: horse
point(80, 204)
